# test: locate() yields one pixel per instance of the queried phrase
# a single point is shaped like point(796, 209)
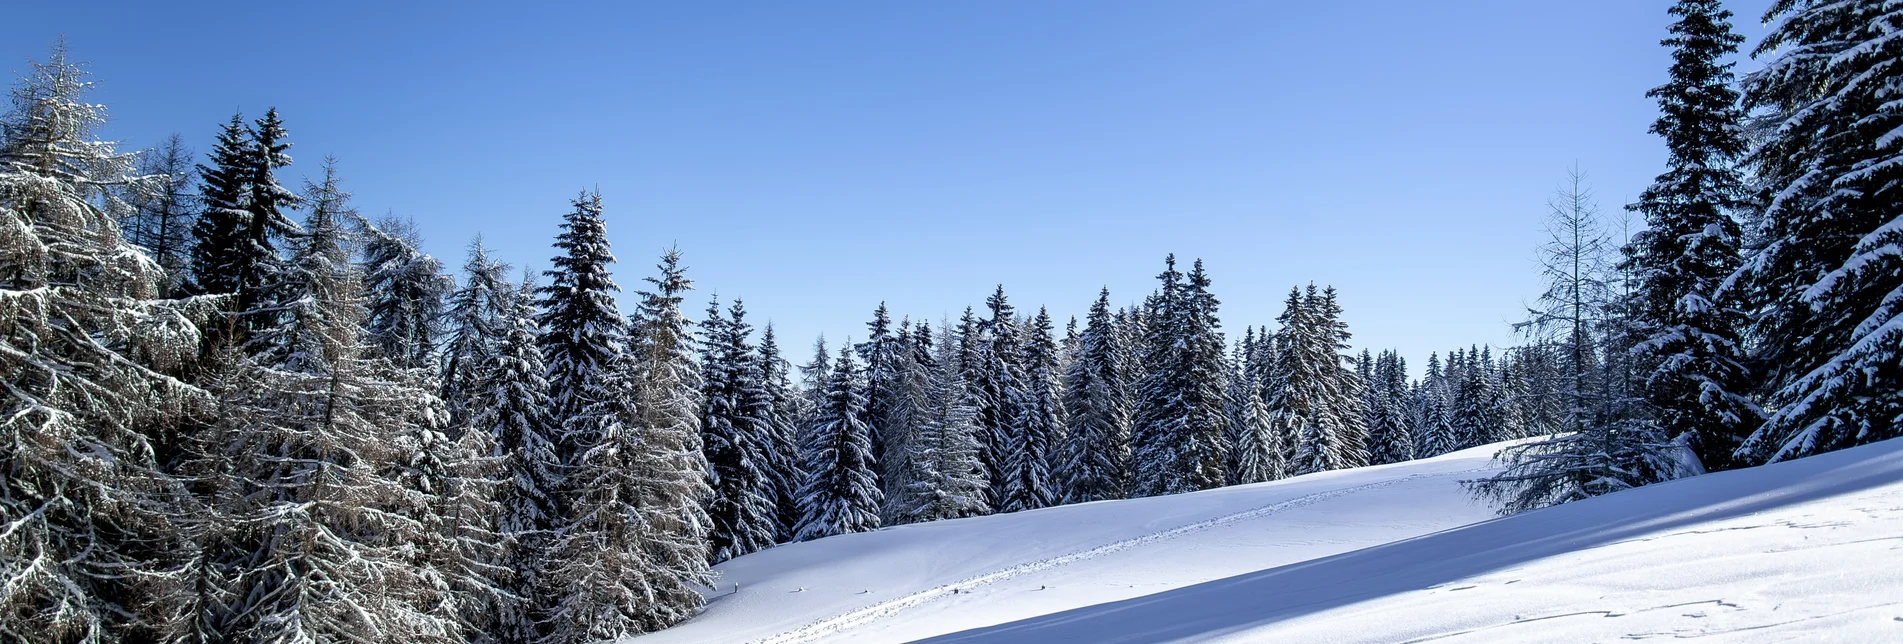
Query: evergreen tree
point(581, 330)
point(782, 450)
point(1828, 282)
point(1259, 452)
point(1391, 436)
point(407, 288)
point(841, 494)
point(1096, 451)
point(1476, 408)
point(221, 259)
point(670, 466)
point(512, 410)
point(946, 479)
point(87, 518)
point(1037, 425)
point(887, 398)
point(479, 319)
point(736, 437)
point(1001, 390)
point(1316, 401)
point(1178, 444)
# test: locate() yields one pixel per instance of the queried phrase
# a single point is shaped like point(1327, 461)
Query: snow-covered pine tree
point(512, 407)
point(88, 551)
point(1095, 458)
point(1829, 281)
point(1001, 390)
point(326, 536)
point(783, 465)
point(581, 330)
point(1260, 454)
point(477, 324)
point(1308, 376)
point(161, 209)
point(885, 391)
point(222, 261)
point(1370, 390)
point(946, 479)
point(1037, 424)
point(1178, 442)
point(1346, 397)
point(450, 488)
point(841, 494)
point(406, 290)
point(1391, 437)
point(670, 465)
point(1476, 404)
point(735, 437)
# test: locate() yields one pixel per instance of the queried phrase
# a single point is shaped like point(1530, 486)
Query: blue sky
point(817, 158)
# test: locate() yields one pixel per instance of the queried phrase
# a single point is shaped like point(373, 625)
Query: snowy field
point(1810, 550)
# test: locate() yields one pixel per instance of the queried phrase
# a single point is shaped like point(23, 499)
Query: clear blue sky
point(816, 158)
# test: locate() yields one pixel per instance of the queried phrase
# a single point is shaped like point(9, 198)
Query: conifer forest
point(238, 408)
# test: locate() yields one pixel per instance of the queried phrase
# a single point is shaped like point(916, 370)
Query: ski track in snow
point(869, 613)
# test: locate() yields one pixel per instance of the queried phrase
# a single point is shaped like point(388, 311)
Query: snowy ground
point(1805, 551)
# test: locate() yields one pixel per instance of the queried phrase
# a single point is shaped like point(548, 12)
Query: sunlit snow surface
point(1810, 550)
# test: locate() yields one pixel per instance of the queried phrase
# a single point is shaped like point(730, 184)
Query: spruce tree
point(670, 465)
point(221, 260)
point(1095, 457)
point(88, 346)
point(945, 480)
point(581, 330)
point(783, 462)
point(478, 321)
point(1178, 444)
point(841, 494)
point(735, 435)
point(1037, 424)
point(1828, 282)
point(1391, 437)
point(1001, 390)
point(406, 289)
point(511, 408)
point(887, 398)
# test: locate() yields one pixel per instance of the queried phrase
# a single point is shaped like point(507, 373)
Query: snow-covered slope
point(1810, 550)
point(1805, 551)
point(911, 582)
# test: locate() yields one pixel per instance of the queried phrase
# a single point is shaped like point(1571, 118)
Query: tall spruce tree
point(1095, 458)
point(581, 330)
point(221, 260)
point(841, 494)
point(945, 480)
point(736, 436)
point(406, 288)
point(1037, 423)
point(783, 464)
point(1828, 282)
point(1178, 445)
point(512, 408)
point(479, 320)
point(1001, 389)
point(1391, 437)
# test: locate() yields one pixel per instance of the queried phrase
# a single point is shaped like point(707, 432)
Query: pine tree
point(783, 412)
point(221, 260)
point(946, 480)
point(1178, 442)
point(1828, 280)
point(735, 434)
point(887, 398)
point(1391, 436)
point(1316, 400)
point(670, 465)
point(1037, 425)
point(406, 288)
point(1475, 414)
point(841, 494)
point(87, 348)
point(478, 320)
point(581, 330)
point(512, 410)
point(1258, 446)
point(1096, 452)
point(1001, 390)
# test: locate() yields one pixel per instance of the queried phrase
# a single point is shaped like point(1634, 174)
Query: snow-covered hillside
point(917, 581)
point(1810, 550)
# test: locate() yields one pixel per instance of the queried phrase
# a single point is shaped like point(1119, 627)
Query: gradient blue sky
point(815, 158)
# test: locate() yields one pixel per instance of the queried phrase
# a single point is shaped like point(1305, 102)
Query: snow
point(910, 582)
point(1806, 550)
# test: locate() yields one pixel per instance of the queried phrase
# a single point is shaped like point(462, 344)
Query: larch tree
point(84, 516)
